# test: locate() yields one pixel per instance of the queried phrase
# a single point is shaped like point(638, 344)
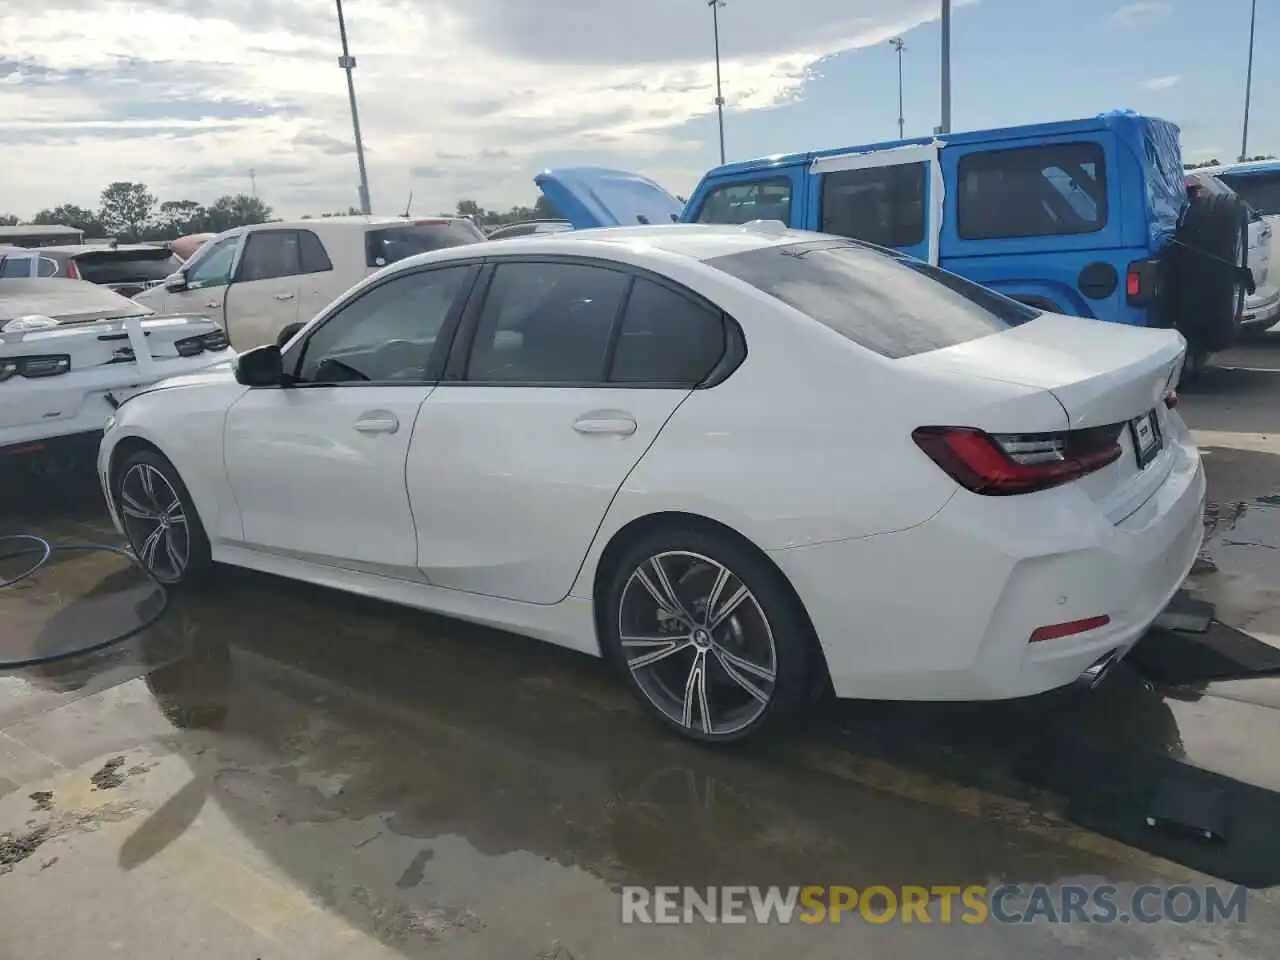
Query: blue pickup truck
point(1085, 217)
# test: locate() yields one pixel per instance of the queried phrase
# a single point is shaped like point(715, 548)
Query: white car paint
point(496, 503)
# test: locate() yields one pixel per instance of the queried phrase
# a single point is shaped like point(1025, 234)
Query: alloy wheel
point(697, 643)
point(155, 522)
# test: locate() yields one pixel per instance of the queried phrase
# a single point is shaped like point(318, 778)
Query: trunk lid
point(600, 197)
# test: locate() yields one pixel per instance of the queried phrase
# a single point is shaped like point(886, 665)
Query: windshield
point(1259, 190)
point(395, 243)
point(133, 266)
point(894, 305)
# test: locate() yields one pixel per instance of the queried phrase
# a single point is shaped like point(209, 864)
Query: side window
point(666, 338)
point(213, 268)
point(269, 254)
point(387, 334)
point(744, 202)
point(312, 253)
point(881, 205)
point(1054, 190)
point(546, 323)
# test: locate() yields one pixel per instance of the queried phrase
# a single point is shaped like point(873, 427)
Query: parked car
point(21, 262)
point(126, 268)
point(70, 352)
point(39, 235)
point(1084, 217)
point(1262, 306)
point(185, 247)
point(258, 280)
point(529, 228)
point(742, 462)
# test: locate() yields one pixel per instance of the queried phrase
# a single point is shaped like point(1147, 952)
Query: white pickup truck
point(254, 281)
point(70, 352)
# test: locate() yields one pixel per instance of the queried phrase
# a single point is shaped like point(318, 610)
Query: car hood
point(599, 197)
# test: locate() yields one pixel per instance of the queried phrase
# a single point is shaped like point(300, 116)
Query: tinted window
point(666, 338)
point(314, 258)
point(212, 267)
point(881, 205)
point(895, 306)
point(395, 243)
point(1259, 190)
point(744, 202)
point(387, 334)
point(133, 266)
point(269, 254)
point(546, 323)
point(1032, 191)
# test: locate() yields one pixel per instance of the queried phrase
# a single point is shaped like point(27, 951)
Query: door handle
point(284, 296)
point(606, 422)
point(378, 423)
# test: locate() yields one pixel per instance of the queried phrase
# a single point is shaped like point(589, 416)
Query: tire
point(1208, 261)
point(180, 556)
point(712, 685)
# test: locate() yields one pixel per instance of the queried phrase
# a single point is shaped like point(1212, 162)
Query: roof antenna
point(408, 206)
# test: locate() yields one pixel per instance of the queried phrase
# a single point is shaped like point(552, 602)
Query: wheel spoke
point(660, 588)
point(147, 552)
point(695, 690)
point(659, 649)
point(737, 669)
point(172, 551)
point(718, 616)
point(130, 507)
point(713, 597)
point(148, 483)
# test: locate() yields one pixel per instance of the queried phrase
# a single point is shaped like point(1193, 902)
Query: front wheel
point(708, 634)
point(160, 521)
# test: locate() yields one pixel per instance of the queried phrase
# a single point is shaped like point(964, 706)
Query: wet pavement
point(276, 771)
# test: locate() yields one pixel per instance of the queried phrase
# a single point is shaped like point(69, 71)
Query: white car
point(70, 352)
point(259, 280)
point(742, 461)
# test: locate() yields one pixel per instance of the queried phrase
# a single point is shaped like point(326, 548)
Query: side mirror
point(260, 367)
point(288, 333)
point(176, 282)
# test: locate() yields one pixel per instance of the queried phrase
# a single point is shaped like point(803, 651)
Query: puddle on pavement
point(1239, 570)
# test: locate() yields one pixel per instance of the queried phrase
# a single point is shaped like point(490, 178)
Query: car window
point(546, 323)
point(896, 306)
point(120, 266)
point(881, 205)
point(390, 244)
point(666, 337)
point(269, 254)
point(1053, 190)
point(744, 202)
point(1261, 191)
point(313, 255)
point(212, 268)
point(385, 335)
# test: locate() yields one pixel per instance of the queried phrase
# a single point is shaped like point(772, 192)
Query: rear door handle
point(616, 422)
point(381, 422)
point(284, 296)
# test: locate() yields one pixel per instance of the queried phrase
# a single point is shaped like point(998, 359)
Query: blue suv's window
point(1053, 190)
point(881, 205)
point(743, 202)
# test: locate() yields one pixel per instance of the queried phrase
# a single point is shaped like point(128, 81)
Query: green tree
point(234, 210)
point(469, 208)
point(8, 220)
point(177, 218)
point(543, 210)
point(126, 209)
point(71, 215)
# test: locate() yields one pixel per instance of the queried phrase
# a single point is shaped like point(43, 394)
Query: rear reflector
point(1057, 631)
point(1006, 464)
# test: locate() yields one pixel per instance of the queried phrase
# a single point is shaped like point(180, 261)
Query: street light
point(348, 63)
point(715, 6)
point(900, 45)
point(1248, 83)
point(946, 67)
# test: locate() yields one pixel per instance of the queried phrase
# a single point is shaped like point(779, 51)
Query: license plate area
point(1144, 431)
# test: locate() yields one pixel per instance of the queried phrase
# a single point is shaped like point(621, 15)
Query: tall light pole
point(1248, 83)
point(946, 67)
point(348, 63)
point(715, 6)
point(899, 44)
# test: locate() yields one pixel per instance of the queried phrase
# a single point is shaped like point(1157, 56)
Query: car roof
point(310, 223)
point(1247, 168)
point(75, 249)
point(71, 301)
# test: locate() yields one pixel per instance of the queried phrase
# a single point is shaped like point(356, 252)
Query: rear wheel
point(160, 521)
point(708, 634)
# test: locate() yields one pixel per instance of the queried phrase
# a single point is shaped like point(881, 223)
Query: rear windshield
point(1259, 190)
point(132, 266)
point(894, 305)
point(395, 243)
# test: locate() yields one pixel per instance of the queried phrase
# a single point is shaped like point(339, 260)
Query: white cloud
point(457, 97)
point(1160, 83)
point(1143, 11)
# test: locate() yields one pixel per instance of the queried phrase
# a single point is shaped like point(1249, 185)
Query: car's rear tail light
point(73, 272)
point(1057, 631)
point(1141, 282)
point(1005, 464)
point(34, 367)
point(189, 346)
point(213, 342)
point(1171, 399)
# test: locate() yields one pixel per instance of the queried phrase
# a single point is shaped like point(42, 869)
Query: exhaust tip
point(1099, 669)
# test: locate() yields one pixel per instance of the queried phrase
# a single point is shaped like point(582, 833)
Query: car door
point(263, 297)
point(204, 282)
point(318, 466)
point(561, 379)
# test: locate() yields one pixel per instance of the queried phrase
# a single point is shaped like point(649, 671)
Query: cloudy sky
point(469, 98)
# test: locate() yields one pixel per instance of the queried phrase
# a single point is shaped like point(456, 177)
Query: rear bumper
point(82, 446)
point(1261, 314)
point(945, 610)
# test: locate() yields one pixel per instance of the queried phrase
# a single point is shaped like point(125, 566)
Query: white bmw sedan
point(744, 463)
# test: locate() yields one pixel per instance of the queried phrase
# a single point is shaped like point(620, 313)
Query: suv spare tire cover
point(1206, 282)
